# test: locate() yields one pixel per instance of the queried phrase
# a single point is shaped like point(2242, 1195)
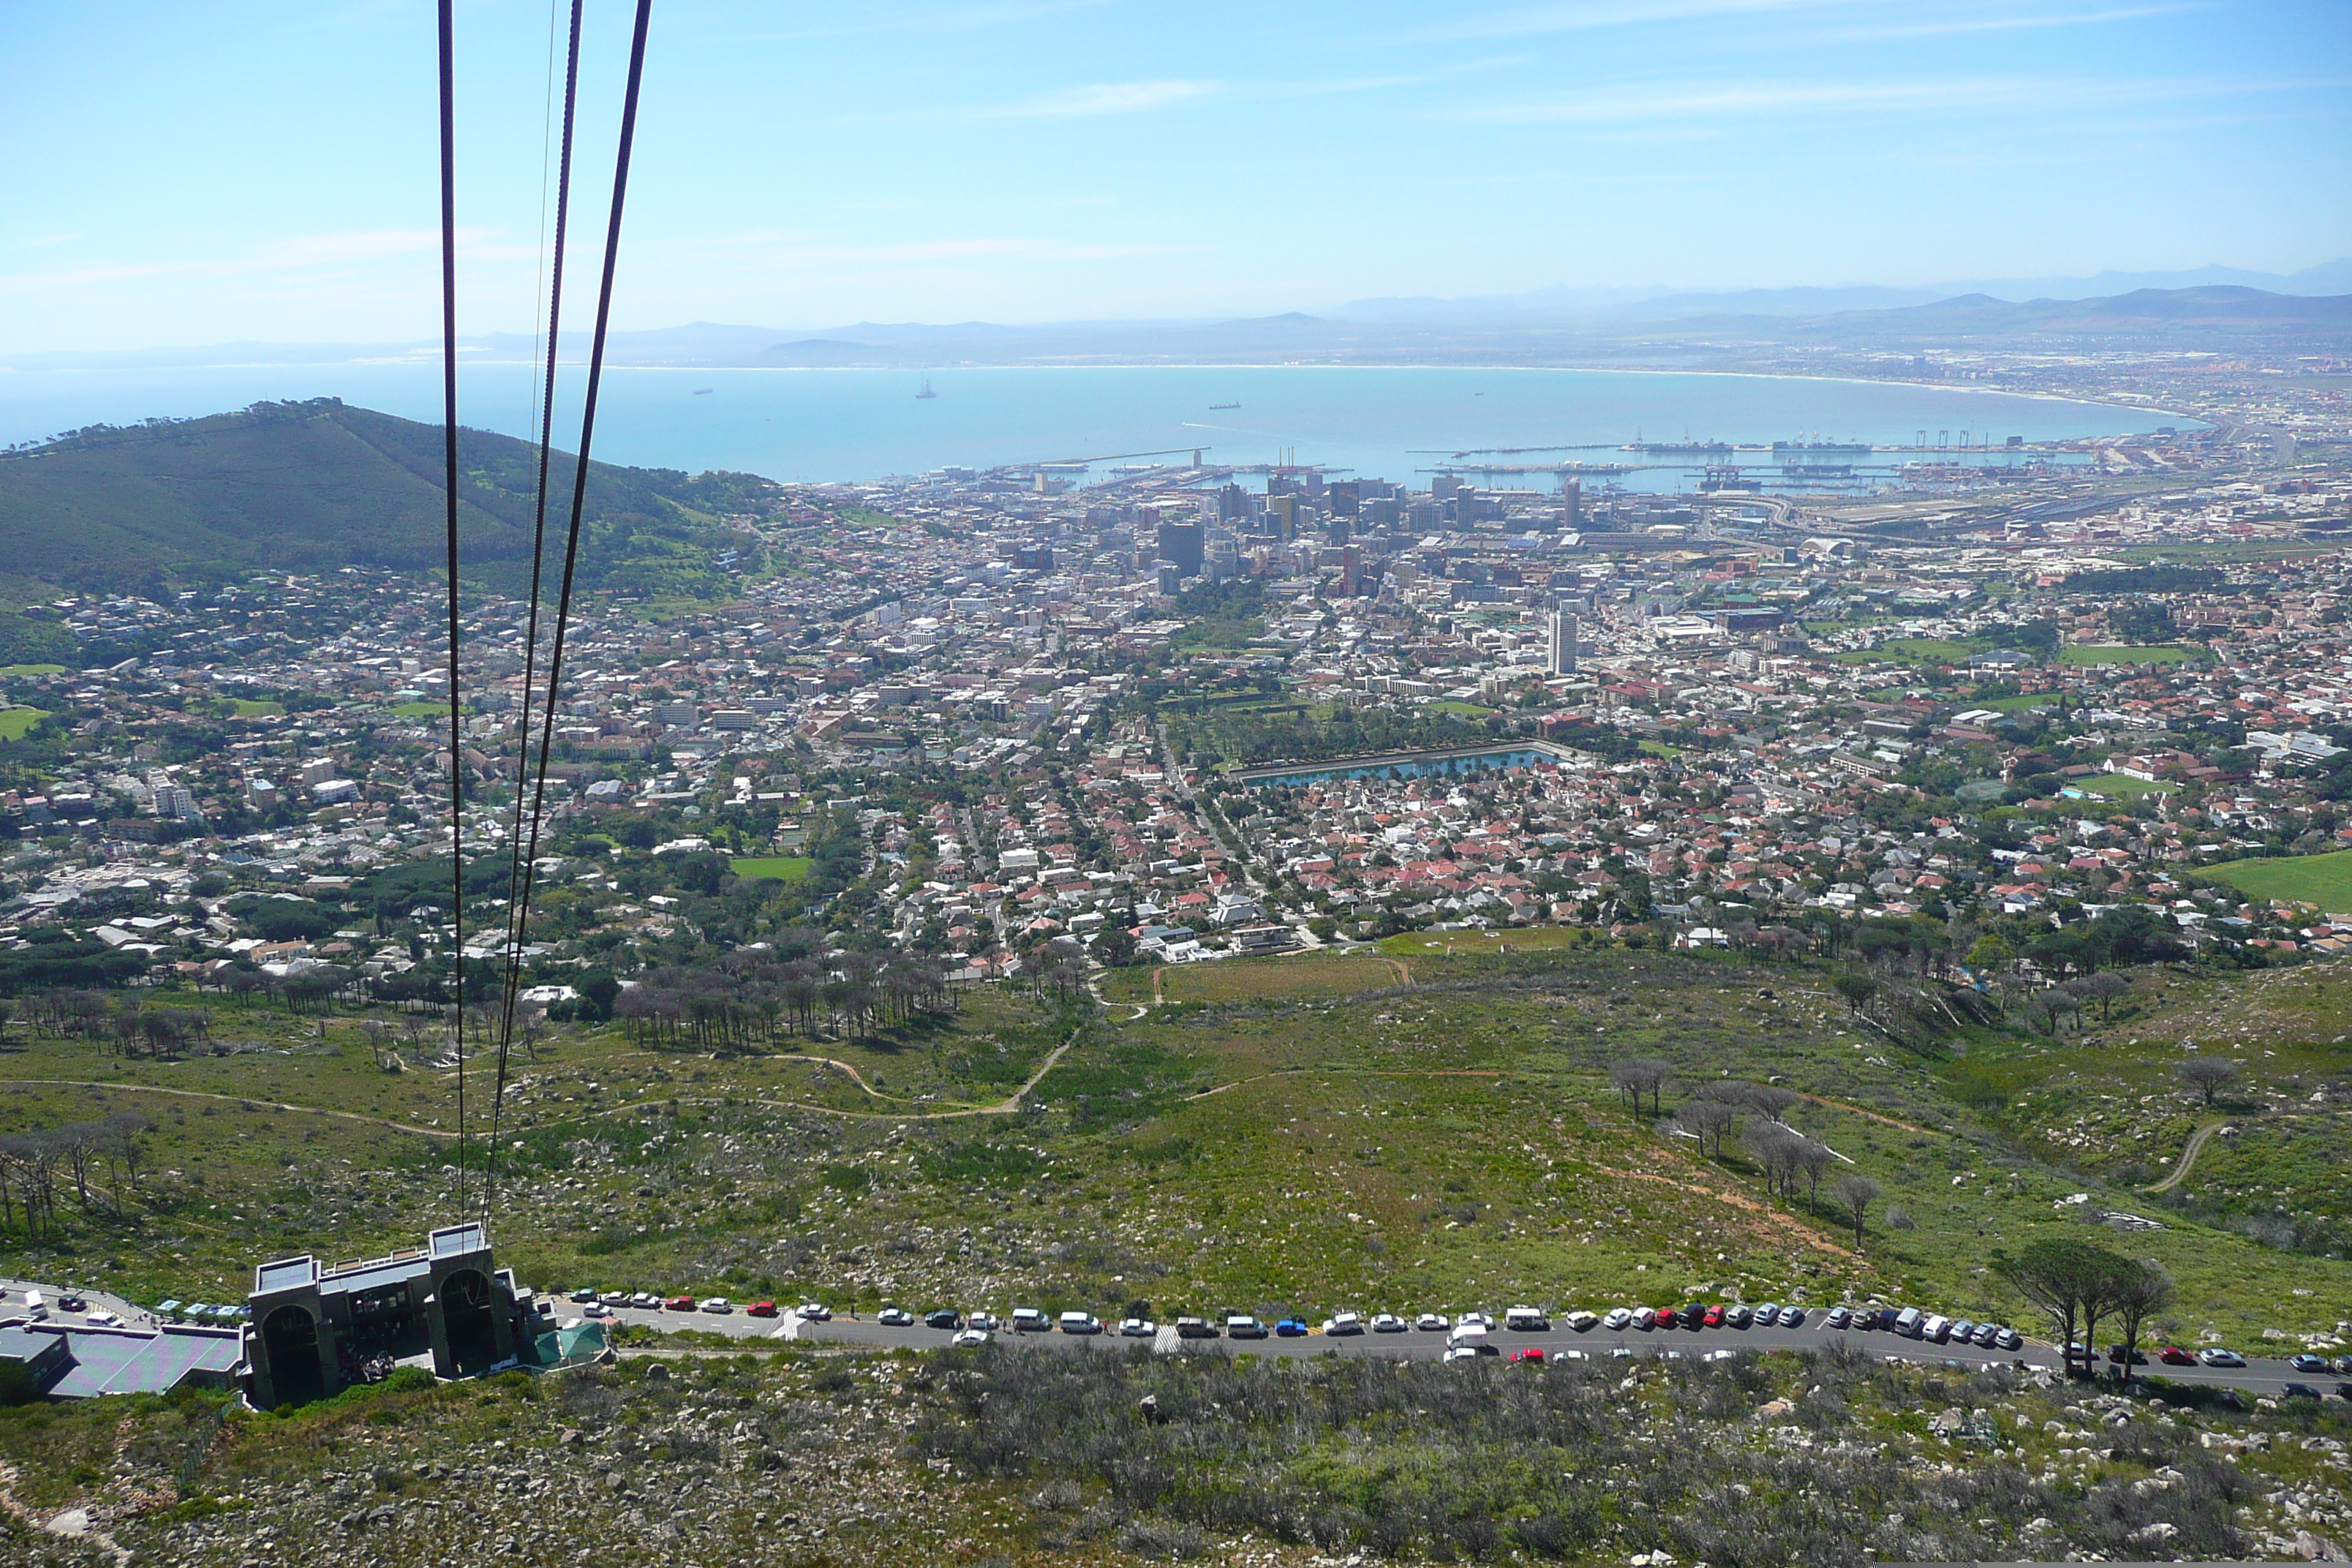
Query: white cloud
point(1108, 98)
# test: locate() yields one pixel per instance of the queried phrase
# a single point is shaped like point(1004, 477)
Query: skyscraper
point(1180, 542)
point(1561, 658)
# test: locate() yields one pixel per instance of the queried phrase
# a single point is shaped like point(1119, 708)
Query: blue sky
point(196, 173)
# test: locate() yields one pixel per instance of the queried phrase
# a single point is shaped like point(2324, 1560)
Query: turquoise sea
point(1390, 421)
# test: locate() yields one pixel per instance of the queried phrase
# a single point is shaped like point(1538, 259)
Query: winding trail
point(230, 1099)
point(2196, 1140)
point(1008, 1106)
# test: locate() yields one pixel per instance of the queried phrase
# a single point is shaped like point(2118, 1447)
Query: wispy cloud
point(295, 256)
point(1946, 26)
point(1586, 16)
point(1715, 100)
point(1107, 98)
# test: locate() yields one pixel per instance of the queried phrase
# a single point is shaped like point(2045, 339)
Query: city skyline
point(270, 176)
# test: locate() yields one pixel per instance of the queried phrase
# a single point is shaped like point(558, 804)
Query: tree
point(2103, 988)
point(2207, 1075)
point(1855, 1194)
point(1708, 1120)
point(2142, 1291)
point(2074, 1282)
point(1857, 989)
point(1641, 1076)
point(1990, 953)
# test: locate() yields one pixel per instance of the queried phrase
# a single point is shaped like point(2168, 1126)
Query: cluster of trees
point(1784, 1153)
point(753, 998)
point(2078, 1285)
point(34, 1165)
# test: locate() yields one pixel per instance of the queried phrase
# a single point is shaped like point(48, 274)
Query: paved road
point(2258, 1378)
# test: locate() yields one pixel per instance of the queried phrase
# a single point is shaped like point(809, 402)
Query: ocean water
point(1389, 422)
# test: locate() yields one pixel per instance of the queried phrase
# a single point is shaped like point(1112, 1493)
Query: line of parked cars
point(648, 1301)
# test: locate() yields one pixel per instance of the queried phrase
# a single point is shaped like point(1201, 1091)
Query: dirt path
point(1776, 1218)
point(1010, 1104)
point(1874, 1116)
point(1156, 998)
point(230, 1099)
point(2188, 1156)
point(1368, 1072)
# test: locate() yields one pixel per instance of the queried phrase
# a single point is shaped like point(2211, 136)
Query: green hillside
point(318, 485)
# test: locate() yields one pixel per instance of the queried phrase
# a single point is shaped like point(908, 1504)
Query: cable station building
point(446, 1305)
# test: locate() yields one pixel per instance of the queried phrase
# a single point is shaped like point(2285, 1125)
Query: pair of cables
point(531, 784)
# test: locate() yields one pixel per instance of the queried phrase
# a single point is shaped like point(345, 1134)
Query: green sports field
point(2325, 880)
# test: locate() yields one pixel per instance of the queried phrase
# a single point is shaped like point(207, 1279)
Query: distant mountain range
point(2219, 309)
point(314, 485)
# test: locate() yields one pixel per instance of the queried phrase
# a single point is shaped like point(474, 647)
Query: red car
point(681, 1304)
point(1667, 1317)
point(761, 1310)
point(1530, 1355)
point(2173, 1355)
point(1715, 1315)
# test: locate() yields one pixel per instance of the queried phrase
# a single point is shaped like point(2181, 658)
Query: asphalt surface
point(2258, 1377)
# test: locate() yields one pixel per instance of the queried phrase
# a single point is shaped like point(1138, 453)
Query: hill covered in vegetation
point(319, 485)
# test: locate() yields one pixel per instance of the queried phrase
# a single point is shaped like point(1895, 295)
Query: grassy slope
point(1312, 1138)
point(2325, 880)
point(312, 486)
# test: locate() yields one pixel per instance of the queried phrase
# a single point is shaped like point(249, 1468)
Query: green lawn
point(2166, 653)
point(1929, 650)
point(249, 707)
point(32, 669)
point(772, 867)
point(2122, 786)
point(16, 722)
point(2322, 879)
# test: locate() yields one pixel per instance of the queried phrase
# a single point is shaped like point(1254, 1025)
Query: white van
point(1526, 1320)
point(1934, 1327)
point(1468, 1334)
point(1906, 1322)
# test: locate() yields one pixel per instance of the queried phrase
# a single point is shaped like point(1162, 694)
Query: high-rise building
point(1180, 542)
point(1561, 656)
point(1572, 506)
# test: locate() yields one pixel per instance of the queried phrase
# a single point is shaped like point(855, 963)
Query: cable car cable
point(588, 413)
point(449, 486)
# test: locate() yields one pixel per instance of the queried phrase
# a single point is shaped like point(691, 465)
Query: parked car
point(1532, 1354)
point(986, 1322)
point(1963, 1332)
point(680, 1303)
point(1195, 1329)
point(1714, 1318)
point(1465, 1334)
point(583, 1295)
point(2216, 1356)
point(1646, 1317)
point(1581, 1321)
point(812, 1311)
point(1480, 1319)
point(1291, 1328)
point(718, 1304)
point(1343, 1324)
point(1768, 1316)
point(1137, 1328)
point(1667, 1317)
point(1388, 1323)
point(1617, 1318)
point(1526, 1320)
point(1934, 1327)
point(2173, 1355)
point(761, 1310)
point(1985, 1334)
point(1839, 1317)
point(1738, 1315)
point(644, 1301)
point(71, 1301)
point(1030, 1321)
point(2307, 1361)
point(1079, 1323)
point(1433, 1322)
point(2009, 1338)
point(2343, 1390)
point(1470, 1351)
point(1242, 1326)
point(1907, 1321)
point(1691, 1314)
point(1792, 1316)
point(943, 1318)
point(2118, 1354)
point(967, 1337)
point(2298, 1391)
point(895, 1318)
point(103, 1319)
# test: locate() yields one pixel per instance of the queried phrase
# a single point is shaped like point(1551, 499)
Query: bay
point(1396, 423)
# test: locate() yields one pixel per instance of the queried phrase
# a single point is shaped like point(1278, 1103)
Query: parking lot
point(2258, 1378)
